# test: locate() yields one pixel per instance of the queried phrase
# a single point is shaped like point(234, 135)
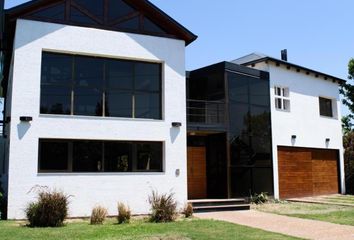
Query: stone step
point(219, 208)
point(216, 202)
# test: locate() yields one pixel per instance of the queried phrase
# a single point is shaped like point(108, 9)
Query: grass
point(138, 229)
point(323, 212)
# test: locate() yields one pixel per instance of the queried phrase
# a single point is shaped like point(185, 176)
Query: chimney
point(284, 55)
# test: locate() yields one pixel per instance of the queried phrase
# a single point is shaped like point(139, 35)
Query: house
point(261, 124)
point(99, 105)
point(91, 93)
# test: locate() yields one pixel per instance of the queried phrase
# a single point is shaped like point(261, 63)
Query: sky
point(318, 34)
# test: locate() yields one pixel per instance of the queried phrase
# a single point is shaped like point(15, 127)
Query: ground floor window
point(99, 156)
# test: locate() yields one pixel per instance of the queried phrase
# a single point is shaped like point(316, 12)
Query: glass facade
point(245, 96)
point(249, 135)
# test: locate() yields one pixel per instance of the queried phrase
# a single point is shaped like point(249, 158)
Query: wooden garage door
point(197, 179)
point(307, 172)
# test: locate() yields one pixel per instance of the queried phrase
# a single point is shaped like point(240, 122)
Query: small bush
point(188, 210)
point(163, 207)
point(50, 209)
point(259, 198)
point(98, 215)
point(124, 213)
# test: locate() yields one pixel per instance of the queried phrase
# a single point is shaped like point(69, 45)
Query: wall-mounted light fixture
point(176, 124)
point(328, 140)
point(293, 137)
point(26, 119)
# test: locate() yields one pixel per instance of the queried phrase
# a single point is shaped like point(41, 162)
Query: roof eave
point(297, 67)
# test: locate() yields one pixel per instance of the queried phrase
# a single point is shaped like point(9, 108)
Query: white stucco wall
point(303, 119)
point(106, 189)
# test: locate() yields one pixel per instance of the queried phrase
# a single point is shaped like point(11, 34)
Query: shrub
point(124, 213)
point(188, 210)
point(98, 215)
point(259, 198)
point(163, 207)
point(50, 209)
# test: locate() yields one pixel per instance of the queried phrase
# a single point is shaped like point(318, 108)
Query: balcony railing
point(205, 112)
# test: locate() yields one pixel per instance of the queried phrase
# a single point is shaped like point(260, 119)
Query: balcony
point(201, 113)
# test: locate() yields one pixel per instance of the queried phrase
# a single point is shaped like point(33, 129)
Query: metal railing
point(205, 112)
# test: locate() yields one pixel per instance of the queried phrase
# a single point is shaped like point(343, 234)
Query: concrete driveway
point(297, 227)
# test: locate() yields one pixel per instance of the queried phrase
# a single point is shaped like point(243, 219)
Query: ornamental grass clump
point(124, 213)
point(98, 215)
point(163, 207)
point(50, 209)
point(188, 210)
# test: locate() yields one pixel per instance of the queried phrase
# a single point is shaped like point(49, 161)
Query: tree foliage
point(347, 90)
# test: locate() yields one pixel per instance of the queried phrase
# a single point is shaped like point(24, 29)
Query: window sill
point(326, 117)
point(99, 174)
point(57, 116)
point(282, 110)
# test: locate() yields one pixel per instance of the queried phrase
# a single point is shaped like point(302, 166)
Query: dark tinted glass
point(56, 69)
point(131, 24)
point(149, 26)
point(326, 107)
point(119, 74)
point(259, 91)
point(88, 102)
point(263, 180)
point(118, 157)
point(260, 120)
point(241, 182)
point(55, 100)
point(238, 88)
point(56, 12)
point(95, 7)
point(89, 72)
point(87, 156)
point(147, 76)
point(149, 157)
point(119, 104)
point(118, 9)
point(147, 105)
point(239, 119)
point(79, 17)
point(53, 156)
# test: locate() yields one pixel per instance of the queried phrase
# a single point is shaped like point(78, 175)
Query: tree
point(347, 90)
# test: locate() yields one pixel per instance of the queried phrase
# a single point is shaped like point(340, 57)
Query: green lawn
point(180, 230)
point(323, 212)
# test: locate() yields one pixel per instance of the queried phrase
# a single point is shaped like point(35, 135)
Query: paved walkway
point(297, 227)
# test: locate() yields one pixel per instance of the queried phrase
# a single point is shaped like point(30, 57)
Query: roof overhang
point(298, 68)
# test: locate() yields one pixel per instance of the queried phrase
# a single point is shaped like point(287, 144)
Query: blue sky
point(317, 34)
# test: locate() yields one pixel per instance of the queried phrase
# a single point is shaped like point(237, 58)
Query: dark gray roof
point(254, 58)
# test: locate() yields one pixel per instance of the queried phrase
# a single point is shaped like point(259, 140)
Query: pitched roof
point(149, 9)
point(255, 58)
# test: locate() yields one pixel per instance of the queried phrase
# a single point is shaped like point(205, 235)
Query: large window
point(99, 156)
point(89, 86)
point(326, 107)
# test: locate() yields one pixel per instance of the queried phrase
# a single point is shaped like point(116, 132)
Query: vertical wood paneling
point(307, 172)
point(197, 177)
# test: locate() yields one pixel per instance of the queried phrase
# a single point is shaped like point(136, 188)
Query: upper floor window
point(326, 108)
point(282, 101)
point(91, 86)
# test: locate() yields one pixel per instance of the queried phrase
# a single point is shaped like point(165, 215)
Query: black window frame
point(155, 113)
point(326, 107)
point(133, 146)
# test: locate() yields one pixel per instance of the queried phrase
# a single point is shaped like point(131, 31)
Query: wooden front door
point(197, 178)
